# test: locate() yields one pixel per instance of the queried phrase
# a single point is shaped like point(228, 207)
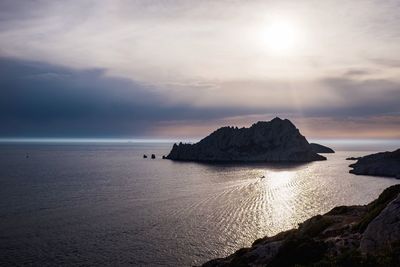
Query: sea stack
point(277, 140)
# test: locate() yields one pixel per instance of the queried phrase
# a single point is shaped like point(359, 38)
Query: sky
point(180, 69)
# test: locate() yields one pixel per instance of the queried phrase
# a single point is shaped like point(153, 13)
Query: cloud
point(120, 68)
point(363, 97)
point(387, 62)
point(40, 99)
point(357, 72)
point(178, 41)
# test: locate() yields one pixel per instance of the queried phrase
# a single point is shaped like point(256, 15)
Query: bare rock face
point(384, 230)
point(274, 141)
point(379, 164)
point(317, 148)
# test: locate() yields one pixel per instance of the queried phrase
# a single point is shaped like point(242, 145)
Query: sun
point(281, 36)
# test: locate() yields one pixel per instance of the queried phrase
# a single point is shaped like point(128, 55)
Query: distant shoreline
point(337, 144)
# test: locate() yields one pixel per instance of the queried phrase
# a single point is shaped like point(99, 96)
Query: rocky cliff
point(274, 141)
point(317, 148)
point(379, 164)
point(346, 236)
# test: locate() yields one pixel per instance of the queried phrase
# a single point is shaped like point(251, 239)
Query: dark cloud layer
point(38, 99)
point(42, 100)
point(367, 97)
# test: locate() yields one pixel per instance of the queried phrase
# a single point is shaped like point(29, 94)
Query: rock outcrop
point(274, 141)
point(353, 158)
point(346, 236)
point(317, 148)
point(384, 230)
point(380, 164)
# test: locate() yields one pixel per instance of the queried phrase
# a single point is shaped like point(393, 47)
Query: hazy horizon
point(336, 144)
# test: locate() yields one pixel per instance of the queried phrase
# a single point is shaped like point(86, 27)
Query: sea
point(89, 204)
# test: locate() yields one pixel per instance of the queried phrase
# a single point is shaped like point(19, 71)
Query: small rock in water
point(145, 156)
point(353, 158)
point(164, 157)
point(153, 156)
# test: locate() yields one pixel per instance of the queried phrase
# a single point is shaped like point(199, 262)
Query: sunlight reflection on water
point(280, 181)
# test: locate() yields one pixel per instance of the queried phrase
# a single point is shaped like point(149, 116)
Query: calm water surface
point(106, 205)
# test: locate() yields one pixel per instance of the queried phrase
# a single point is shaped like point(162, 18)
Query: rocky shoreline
point(366, 235)
point(385, 164)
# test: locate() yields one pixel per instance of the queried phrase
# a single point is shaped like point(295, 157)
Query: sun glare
point(281, 37)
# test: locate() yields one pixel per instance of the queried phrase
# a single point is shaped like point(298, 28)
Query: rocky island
point(380, 164)
point(317, 148)
point(274, 141)
point(346, 236)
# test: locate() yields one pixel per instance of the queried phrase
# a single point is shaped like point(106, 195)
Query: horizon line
point(165, 140)
point(85, 140)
